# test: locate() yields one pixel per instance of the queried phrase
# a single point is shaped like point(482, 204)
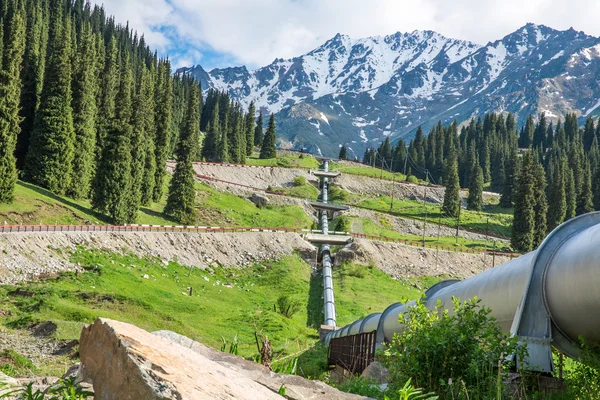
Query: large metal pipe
point(328, 297)
point(548, 296)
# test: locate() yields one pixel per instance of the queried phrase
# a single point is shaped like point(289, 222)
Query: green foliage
point(583, 379)
point(163, 119)
point(474, 201)
point(10, 96)
point(258, 131)
point(65, 389)
point(182, 192)
point(409, 392)
point(233, 346)
point(50, 157)
point(336, 193)
point(362, 386)
point(299, 181)
point(451, 353)
point(523, 232)
point(344, 224)
point(412, 179)
point(287, 306)
point(452, 202)
point(15, 365)
point(343, 153)
point(268, 149)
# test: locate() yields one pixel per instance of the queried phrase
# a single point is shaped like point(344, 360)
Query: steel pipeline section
point(329, 300)
point(550, 296)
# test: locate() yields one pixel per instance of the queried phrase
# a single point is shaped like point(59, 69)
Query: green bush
point(456, 356)
point(363, 387)
point(412, 179)
point(338, 194)
point(287, 306)
point(299, 181)
point(343, 224)
point(583, 376)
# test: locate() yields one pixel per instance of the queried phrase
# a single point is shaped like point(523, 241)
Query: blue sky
point(222, 33)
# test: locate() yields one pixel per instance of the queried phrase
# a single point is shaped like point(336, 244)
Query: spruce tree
point(258, 131)
point(474, 201)
point(164, 115)
point(571, 192)
point(148, 181)
point(540, 207)
point(112, 194)
point(182, 192)
point(508, 191)
point(343, 153)
point(557, 199)
point(268, 149)
point(49, 161)
point(249, 128)
point(84, 115)
point(109, 79)
point(452, 193)
point(10, 94)
point(523, 230)
point(585, 203)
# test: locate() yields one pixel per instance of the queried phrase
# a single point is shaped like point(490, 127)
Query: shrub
point(451, 355)
point(363, 387)
point(338, 194)
point(343, 224)
point(299, 181)
point(286, 306)
point(412, 179)
point(583, 379)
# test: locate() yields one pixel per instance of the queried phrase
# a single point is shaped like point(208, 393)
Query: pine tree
point(540, 207)
point(268, 149)
point(249, 128)
point(452, 193)
point(585, 203)
point(474, 201)
point(84, 115)
point(258, 131)
point(557, 199)
point(49, 161)
point(148, 180)
point(343, 153)
point(112, 194)
point(10, 94)
point(508, 191)
point(523, 230)
point(109, 79)
point(182, 192)
point(212, 138)
point(164, 115)
point(571, 192)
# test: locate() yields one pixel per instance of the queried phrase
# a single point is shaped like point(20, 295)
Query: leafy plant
point(363, 386)
point(583, 376)
point(233, 346)
point(451, 355)
point(289, 367)
point(65, 389)
point(287, 306)
point(409, 392)
point(299, 181)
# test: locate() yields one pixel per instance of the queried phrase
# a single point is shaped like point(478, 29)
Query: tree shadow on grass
point(64, 201)
point(314, 306)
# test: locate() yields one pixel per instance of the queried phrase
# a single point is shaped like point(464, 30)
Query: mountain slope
point(360, 91)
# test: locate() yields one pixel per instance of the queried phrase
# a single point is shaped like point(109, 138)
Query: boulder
point(297, 388)
point(125, 362)
point(258, 200)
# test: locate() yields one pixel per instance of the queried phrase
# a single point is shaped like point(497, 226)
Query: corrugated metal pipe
point(328, 297)
point(549, 297)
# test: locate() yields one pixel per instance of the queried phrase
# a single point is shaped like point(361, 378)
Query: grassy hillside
point(34, 205)
point(224, 303)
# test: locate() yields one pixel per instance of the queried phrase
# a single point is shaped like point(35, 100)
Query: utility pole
point(381, 174)
point(405, 161)
point(458, 222)
point(487, 225)
point(425, 221)
point(494, 256)
point(393, 189)
point(437, 249)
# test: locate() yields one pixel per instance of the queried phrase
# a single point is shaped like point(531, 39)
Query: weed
point(363, 386)
point(14, 364)
point(299, 181)
point(286, 306)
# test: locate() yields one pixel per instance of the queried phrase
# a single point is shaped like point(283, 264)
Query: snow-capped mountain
point(360, 91)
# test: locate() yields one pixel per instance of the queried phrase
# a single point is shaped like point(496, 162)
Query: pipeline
point(329, 306)
point(549, 297)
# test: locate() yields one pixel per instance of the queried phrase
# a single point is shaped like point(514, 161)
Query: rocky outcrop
point(125, 362)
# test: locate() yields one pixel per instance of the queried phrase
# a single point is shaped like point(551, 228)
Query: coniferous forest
point(548, 173)
point(88, 110)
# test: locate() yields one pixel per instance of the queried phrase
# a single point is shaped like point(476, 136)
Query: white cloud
point(256, 32)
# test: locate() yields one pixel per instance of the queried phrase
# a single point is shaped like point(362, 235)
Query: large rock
point(128, 363)
point(297, 388)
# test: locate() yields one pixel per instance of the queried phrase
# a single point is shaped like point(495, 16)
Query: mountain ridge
point(359, 91)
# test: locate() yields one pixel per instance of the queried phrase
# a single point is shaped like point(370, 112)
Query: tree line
point(88, 110)
point(548, 173)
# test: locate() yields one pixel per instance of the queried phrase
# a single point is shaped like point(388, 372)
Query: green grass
point(306, 191)
point(34, 205)
point(114, 287)
point(384, 229)
point(500, 219)
point(219, 208)
point(285, 160)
